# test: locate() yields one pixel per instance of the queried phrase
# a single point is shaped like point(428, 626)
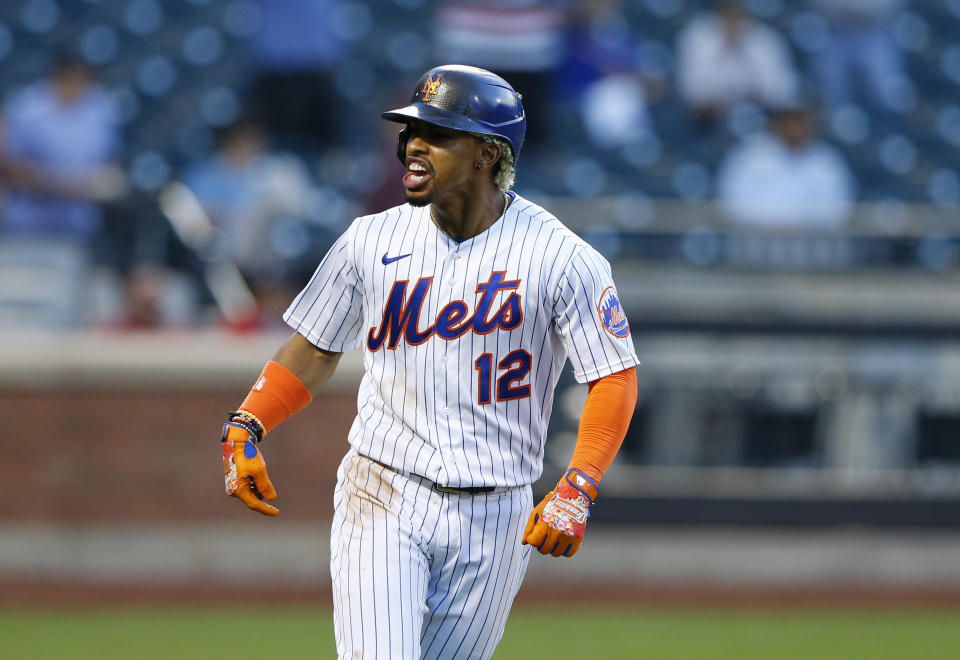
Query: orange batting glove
point(557, 524)
point(245, 471)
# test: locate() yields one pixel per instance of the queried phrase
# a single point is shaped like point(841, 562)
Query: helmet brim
point(431, 115)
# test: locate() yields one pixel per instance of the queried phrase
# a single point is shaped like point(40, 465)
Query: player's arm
point(311, 365)
point(557, 524)
point(286, 385)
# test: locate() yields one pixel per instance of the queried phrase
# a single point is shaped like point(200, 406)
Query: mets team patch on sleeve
point(611, 313)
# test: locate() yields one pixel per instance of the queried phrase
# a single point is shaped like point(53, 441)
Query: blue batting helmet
point(464, 98)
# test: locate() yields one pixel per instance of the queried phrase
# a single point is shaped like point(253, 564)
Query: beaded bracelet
point(249, 415)
point(249, 421)
point(244, 425)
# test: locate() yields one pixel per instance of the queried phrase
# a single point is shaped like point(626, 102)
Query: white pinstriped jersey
point(463, 342)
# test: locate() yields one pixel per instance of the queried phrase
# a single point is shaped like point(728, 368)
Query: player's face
point(439, 161)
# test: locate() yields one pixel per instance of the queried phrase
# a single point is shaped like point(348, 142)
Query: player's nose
point(416, 145)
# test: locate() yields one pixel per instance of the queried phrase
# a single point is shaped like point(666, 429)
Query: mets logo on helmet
point(430, 86)
point(611, 313)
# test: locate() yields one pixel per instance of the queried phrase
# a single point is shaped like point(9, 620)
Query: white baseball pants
point(418, 573)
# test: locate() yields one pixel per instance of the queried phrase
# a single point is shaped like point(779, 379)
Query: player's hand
point(245, 471)
point(557, 524)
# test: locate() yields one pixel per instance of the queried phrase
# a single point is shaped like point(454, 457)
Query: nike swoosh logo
point(389, 260)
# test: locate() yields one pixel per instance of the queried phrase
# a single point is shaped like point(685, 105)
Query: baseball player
point(466, 300)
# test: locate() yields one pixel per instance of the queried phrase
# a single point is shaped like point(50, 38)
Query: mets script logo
point(612, 315)
point(430, 86)
point(401, 315)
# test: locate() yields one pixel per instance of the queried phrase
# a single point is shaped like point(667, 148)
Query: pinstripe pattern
point(417, 404)
point(418, 573)
point(461, 396)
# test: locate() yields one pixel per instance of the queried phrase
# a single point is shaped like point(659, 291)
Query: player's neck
point(466, 217)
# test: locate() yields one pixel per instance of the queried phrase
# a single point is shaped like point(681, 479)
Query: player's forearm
point(604, 422)
point(311, 365)
point(556, 525)
point(287, 384)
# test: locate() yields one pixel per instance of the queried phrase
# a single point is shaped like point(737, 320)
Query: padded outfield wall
point(113, 491)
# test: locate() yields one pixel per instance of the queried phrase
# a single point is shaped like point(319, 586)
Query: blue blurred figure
point(295, 53)
point(603, 77)
point(860, 62)
point(61, 143)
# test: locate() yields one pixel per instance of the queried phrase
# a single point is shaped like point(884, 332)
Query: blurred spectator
point(787, 177)
point(59, 151)
point(143, 291)
point(725, 57)
point(601, 75)
point(614, 111)
point(522, 40)
point(295, 52)
point(860, 61)
point(246, 190)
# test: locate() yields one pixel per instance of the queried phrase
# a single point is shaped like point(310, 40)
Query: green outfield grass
point(290, 634)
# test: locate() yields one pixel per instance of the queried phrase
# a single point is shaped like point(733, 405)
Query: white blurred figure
point(614, 111)
point(246, 189)
point(860, 62)
point(725, 57)
point(787, 177)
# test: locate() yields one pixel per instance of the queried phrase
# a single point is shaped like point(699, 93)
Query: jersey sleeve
point(590, 320)
point(329, 310)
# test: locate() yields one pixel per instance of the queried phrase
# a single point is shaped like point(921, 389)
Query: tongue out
point(413, 180)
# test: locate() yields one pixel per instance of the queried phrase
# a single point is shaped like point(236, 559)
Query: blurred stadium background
point(797, 437)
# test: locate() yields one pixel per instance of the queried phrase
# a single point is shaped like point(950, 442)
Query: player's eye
point(432, 134)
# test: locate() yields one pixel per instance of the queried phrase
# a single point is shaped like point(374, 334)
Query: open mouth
point(417, 175)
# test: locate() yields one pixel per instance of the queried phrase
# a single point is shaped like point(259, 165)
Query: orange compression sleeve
point(277, 395)
point(604, 422)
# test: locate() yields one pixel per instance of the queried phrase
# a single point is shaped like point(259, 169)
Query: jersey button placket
point(452, 276)
point(445, 410)
point(442, 344)
point(451, 281)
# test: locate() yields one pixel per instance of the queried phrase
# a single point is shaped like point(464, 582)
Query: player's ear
point(488, 153)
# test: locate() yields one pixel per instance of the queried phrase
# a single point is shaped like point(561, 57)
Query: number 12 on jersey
point(515, 365)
